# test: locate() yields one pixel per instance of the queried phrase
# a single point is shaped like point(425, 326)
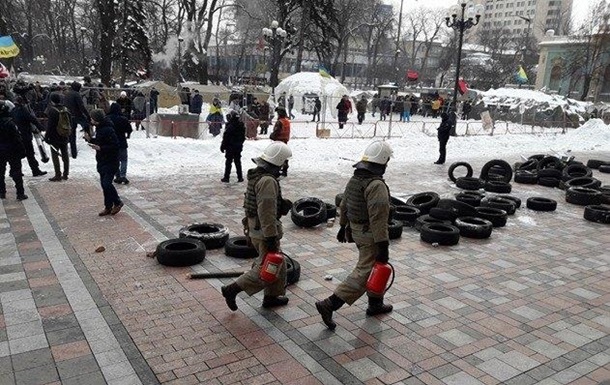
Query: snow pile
point(515, 97)
point(593, 128)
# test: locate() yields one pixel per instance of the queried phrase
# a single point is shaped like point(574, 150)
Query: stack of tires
point(310, 212)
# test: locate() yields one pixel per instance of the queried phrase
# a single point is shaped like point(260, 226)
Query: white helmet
point(276, 153)
point(377, 152)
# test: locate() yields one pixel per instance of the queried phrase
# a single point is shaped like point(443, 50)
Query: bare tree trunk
point(304, 22)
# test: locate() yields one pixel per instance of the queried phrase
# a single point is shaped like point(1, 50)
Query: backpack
point(64, 123)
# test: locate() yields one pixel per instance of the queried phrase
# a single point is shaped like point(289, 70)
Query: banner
point(521, 76)
point(323, 72)
point(8, 47)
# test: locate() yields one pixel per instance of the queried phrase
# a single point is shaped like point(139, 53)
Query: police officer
point(365, 210)
point(11, 152)
point(264, 206)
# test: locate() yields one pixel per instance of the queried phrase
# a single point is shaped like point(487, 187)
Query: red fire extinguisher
point(271, 266)
point(378, 279)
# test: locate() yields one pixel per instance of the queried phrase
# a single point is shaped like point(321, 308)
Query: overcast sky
point(579, 8)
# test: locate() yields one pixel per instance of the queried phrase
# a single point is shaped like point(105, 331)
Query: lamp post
point(180, 40)
point(398, 36)
point(469, 16)
point(82, 38)
point(275, 36)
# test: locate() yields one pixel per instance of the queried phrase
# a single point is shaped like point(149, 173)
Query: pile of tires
point(598, 214)
point(213, 235)
point(308, 212)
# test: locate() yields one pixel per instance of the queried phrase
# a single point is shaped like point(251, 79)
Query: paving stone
point(31, 359)
point(93, 378)
point(498, 369)
point(37, 375)
point(77, 366)
point(461, 378)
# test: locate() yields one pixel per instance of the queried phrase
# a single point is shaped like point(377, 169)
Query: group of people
point(365, 213)
point(67, 107)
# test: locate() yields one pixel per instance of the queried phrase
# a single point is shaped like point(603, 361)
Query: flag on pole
point(8, 47)
point(521, 76)
point(323, 72)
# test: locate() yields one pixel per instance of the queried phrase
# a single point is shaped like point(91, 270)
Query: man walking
point(27, 124)
point(264, 206)
point(11, 152)
point(75, 105)
point(317, 107)
point(365, 211)
point(361, 106)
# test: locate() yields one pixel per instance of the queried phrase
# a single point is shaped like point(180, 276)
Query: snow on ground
point(158, 156)
point(530, 98)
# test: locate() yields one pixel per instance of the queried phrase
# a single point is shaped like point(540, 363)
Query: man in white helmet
point(365, 211)
point(264, 206)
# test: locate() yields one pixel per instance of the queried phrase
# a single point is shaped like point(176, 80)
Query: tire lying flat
point(237, 247)
point(439, 233)
point(180, 252)
point(213, 235)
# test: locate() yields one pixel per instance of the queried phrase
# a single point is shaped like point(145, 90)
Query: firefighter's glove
point(383, 253)
point(285, 206)
point(271, 244)
point(341, 235)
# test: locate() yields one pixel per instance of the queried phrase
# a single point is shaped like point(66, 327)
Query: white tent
point(327, 88)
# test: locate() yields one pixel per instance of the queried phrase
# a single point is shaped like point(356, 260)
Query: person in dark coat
point(195, 103)
point(125, 103)
point(361, 106)
point(317, 107)
point(11, 152)
point(138, 112)
point(27, 124)
point(75, 105)
point(443, 136)
point(154, 100)
point(232, 145)
point(123, 130)
point(106, 145)
point(58, 143)
point(264, 116)
point(344, 107)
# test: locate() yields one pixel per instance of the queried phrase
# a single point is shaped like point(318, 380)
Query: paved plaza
point(530, 305)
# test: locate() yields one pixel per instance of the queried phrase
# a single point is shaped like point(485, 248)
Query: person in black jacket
point(11, 152)
point(232, 144)
point(123, 130)
point(443, 136)
point(75, 105)
point(58, 143)
point(27, 124)
point(106, 145)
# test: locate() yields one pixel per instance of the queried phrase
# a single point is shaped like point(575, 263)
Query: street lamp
point(82, 38)
point(469, 16)
point(275, 36)
point(180, 40)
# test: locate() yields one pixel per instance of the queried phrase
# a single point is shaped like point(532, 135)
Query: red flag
point(462, 86)
point(412, 75)
point(4, 72)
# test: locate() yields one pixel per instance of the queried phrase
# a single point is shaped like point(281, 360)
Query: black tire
point(474, 227)
point(308, 212)
point(499, 203)
point(595, 163)
point(427, 219)
point(597, 213)
point(237, 247)
point(550, 173)
point(529, 165)
point(338, 199)
point(507, 173)
point(406, 214)
point(526, 177)
point(394, 229)
point(423, 201)
point(605, 189)
point(469, 183)
point(497, 217)
point(474, 201)
point(604, 168)
point(550, 162)
point(396, 202)
point(586, 182)
point(331, 211)
point(180, 252)
point(541, 204)
point(512, 198)
point(446, 214)
point(498, 187)
point(460, 208)
point(549, 182)
point(456, 165)
point(583, 196)
point(213, 235)
point(575, 170)
point(293, 270)
point(442, 234)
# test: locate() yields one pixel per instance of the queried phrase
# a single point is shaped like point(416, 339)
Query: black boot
point(230, 293)
point(327, 307)
point(376, 306)
point(274, 301)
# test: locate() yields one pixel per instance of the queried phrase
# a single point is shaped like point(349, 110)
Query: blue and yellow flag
point(8, 47)
point(521, 76)
point(323, 72)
